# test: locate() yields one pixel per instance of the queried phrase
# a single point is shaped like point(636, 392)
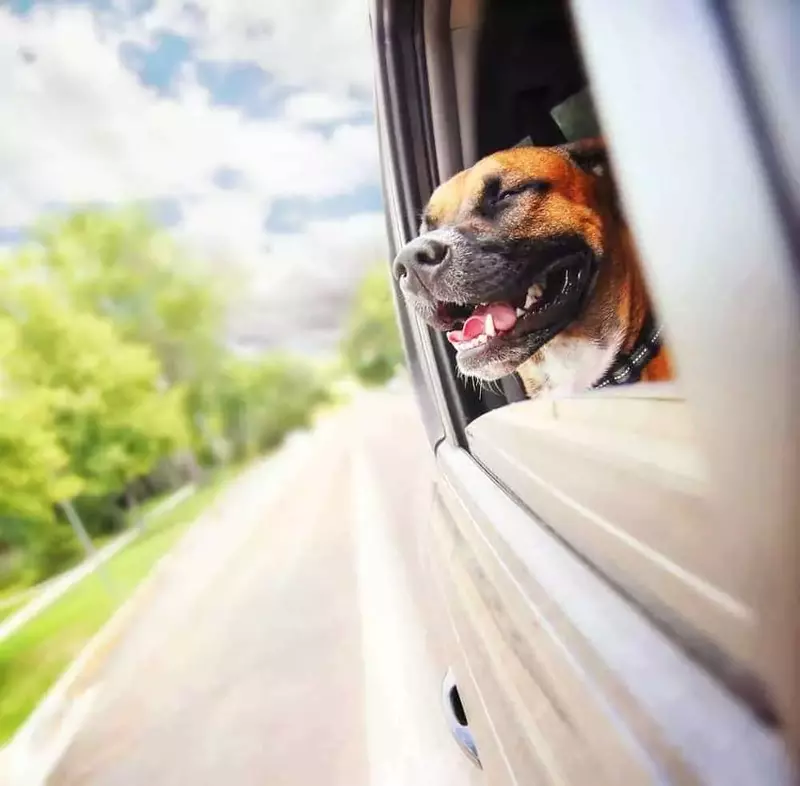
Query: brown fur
point(580, 199)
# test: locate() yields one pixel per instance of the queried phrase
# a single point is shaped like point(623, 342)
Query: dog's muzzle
point(419, 262)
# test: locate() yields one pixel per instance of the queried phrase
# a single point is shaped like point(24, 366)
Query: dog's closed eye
point(494, 195)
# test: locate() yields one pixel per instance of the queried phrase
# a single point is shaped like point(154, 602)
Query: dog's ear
point(589, 154)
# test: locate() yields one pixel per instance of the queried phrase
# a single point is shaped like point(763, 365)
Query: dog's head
point(508, 253)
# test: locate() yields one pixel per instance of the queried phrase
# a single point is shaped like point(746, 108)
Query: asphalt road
point(283, 643)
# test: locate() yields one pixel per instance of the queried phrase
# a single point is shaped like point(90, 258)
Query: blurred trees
point(105, 396)
point(33, 478)
point(99, 403)
point(119, 267)
point(261, 401)
point(371, 348)
point(115, 377)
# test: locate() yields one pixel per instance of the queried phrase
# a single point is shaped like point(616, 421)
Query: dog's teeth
point(489, 325)
point(534, 293)
point(520, 312)
point(472, 343)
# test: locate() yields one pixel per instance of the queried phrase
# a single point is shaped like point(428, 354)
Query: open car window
point(635, 478)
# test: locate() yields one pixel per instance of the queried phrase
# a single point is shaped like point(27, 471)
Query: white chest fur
point(572, 365)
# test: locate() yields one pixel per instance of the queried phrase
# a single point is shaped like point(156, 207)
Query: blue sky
point(289, 213)
point(245, 129)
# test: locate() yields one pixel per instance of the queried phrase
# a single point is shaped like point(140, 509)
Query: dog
point(526, 261)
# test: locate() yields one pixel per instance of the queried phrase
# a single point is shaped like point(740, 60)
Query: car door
point(618, 570)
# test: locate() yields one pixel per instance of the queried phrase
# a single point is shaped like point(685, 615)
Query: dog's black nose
point(419, 253)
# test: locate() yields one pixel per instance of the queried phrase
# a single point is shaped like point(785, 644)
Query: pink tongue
point(503, 316)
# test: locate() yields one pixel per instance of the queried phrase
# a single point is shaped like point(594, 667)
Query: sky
point(244, 126)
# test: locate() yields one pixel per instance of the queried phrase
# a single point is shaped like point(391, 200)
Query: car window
point(619, 474)
point(576, 116)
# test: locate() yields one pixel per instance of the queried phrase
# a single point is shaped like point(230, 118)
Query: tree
point(34, 476)
point(113, 416)
point(33, 465)
point(34, 472)
point(118, 265)
point(112, 364)
point(263, 399)
point(288, 392)
point(371, 347)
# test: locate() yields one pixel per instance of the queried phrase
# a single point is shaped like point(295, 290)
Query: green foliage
point(118, 265)
point(32, 463)
point(14, 573)
point(56, 549)
point(103, 393)
point(34, 467)
point(87, 406)
point(371, 347)
point(263, 400)
point(289, 392)
point(115, 379)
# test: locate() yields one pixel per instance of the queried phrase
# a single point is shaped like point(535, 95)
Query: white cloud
point(77, 126)
point(305, 43)
point(306, 280)
point(330, 250)
point(226, 226)
point(279, 159)
point(316, 107)
point(80, 127)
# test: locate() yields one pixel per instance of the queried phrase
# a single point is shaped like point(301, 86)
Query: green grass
point(32, 659)
point(7, 609)
point(22, 580)
point(15, 595)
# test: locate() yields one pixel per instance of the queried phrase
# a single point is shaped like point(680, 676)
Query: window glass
point(576, 117)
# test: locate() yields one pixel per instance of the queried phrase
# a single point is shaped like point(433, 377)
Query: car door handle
point(456, 719)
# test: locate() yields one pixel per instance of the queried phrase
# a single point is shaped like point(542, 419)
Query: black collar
point(628, 366)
